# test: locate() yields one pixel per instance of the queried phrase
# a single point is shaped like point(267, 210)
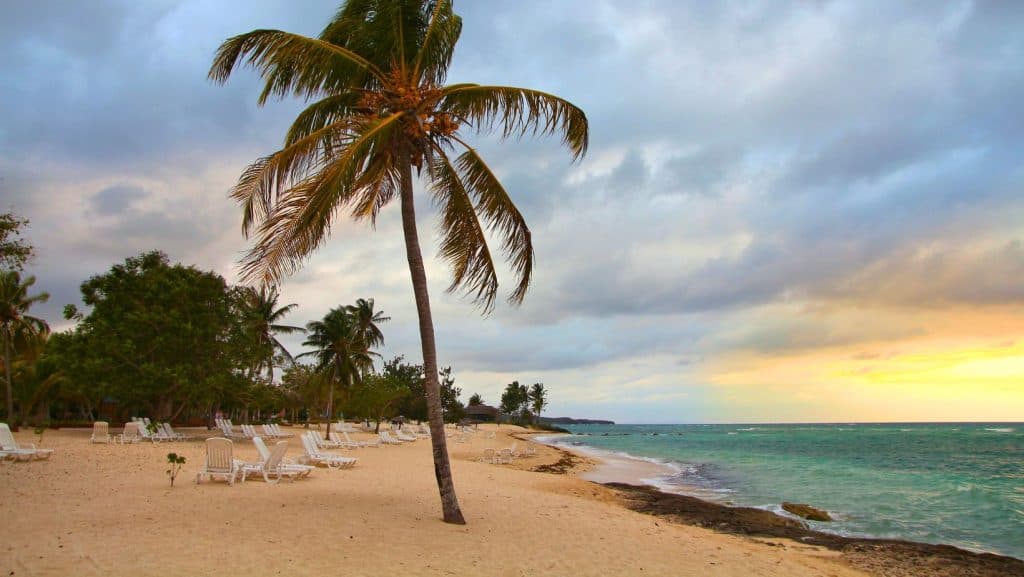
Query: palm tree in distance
point(366, 320)
point(538, 397)
point(341, 351)
point(263, 317)
point(380, 108)
point(14, 320)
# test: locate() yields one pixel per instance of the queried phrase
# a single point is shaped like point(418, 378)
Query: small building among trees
point(482, 413)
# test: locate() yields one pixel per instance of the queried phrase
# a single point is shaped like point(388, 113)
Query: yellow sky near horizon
point(962, 364)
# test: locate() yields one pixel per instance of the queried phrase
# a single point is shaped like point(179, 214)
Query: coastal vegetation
point(523, 405)
point(180, 344)
point(19, 330)
point(380, 109)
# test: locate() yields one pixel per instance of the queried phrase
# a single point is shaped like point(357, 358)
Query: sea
point(955, 483)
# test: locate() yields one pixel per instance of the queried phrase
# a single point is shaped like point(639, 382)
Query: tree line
point(180, 344)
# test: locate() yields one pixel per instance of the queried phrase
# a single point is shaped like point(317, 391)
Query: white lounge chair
point(10, 446)
point(375, 444)
point(504, 456)
point(323, 444)
point(268, 432)
point(100, 432)
point(316, 456)
point(225, 427)
point(387, 439)
point(489, 456)
point(279, 433)
point(344, 443)
point(130, 434)
point(220, 461)
point(172, 435)
point(403, 437)
point(160, 434)
point(286, 464)
point(528, 451)
point(144, 432)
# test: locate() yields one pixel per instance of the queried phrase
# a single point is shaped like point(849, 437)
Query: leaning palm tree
point(263, 319)
point(380, 109)
point(341, 352)
point(14, 306)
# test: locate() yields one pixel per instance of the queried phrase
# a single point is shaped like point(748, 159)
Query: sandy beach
point(96, 509)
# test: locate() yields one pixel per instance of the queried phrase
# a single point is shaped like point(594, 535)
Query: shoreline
point(98, 509)
point(890, 557)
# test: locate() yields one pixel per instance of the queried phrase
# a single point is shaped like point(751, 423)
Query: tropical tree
point(14, 250)
point(377, 397)
point(380, 109)
point(340, 351)
point(15, 321)
point(538, 397)
point(367, 321)
point(157, 337)
point(453, 409)
point(475, 400)
point(514, 400)
point(262, 319)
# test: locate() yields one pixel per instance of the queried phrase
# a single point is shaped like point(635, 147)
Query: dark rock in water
point(807, 512)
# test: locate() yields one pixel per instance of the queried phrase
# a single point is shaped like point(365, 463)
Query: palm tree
point(341, 351)
point(380, 108)
point(14, 304)
point(538, 398)
point(263, 318)
point(366, 320)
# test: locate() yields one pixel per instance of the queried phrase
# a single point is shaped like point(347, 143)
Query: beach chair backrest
point(276, 456)
point(100, 430)
point(261, 447)
point(6, 438)
point(308, 445)
point(219, 455)
point(131, 430)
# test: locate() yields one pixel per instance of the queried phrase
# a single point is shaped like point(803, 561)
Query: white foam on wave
point(1000, 429)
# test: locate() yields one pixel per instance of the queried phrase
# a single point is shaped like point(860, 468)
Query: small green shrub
point(175, 461)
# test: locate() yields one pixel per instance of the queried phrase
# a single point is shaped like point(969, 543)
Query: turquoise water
point(961, 484)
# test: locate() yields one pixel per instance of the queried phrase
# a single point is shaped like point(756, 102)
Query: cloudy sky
point(809, 211)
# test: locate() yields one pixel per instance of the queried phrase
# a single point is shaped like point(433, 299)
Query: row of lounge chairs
point(272, 466)
point(507, 455)
point(10, 449)
point(270, 431)
point(139, 429)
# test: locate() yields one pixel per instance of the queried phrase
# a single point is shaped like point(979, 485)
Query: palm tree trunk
point(442, 467)
point(7, 369)
point(330, 410)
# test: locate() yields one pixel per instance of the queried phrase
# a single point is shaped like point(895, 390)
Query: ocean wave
point(1000, 429)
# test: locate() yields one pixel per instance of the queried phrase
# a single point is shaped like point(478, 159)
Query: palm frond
point(322, 113)
point(264, 179)
point(435, 53)
point(502, 217)
point(463, 242)
point(300, 218)
point(385, 32)
point(519, 111)
point(291, 63)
